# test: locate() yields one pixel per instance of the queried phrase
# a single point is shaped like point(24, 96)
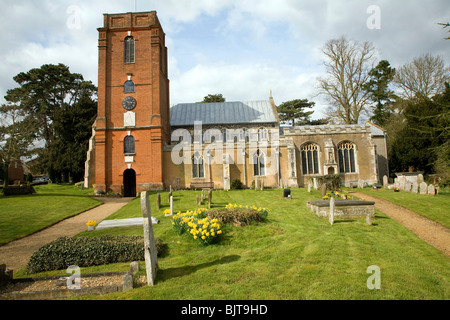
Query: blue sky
point(242, 49)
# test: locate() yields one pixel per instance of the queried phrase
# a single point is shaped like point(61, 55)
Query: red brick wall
point(149, 73)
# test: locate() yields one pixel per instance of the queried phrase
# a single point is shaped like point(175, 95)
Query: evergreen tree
point(378, 89)
point(294, 111)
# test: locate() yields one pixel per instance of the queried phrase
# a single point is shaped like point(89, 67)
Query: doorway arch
point(129, 183)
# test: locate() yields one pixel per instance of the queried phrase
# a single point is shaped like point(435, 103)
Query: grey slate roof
point(184, 114)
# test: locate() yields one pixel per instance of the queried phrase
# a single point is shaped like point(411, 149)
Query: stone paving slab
point(123, 223)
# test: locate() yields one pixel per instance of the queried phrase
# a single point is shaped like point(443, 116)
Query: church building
point(141, 143)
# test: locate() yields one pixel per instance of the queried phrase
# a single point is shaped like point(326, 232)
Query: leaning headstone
point(423, 188)
point(385, 181)
point(309, 187)
point(324, 189)
point(151, 258)
point(332, 207)
point(158, 201)
point(415, 187)
point(431, 190)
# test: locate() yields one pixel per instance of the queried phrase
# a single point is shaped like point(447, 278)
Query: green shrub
point(236, 184)
point(238, 216)
point(18, 190)
point(88, 251)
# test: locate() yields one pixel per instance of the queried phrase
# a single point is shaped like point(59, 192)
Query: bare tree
point(347, 64)
point(425, 75)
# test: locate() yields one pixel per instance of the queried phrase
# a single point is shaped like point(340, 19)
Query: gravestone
point(369, 219)
point(209, 198)
point(197, 200)
point(158, 201)
point(332, 207)
point(315, 184)
point(402, 183)
point(171, 206)
point(385, 181)
point(170, 194)
point(396, 183)
point(309, 187)
point(415, 187)
point(256, 184)
point(408, 186)
point(360, 184)
point(431, 190)
point(423, 188)
point(324, 189)
point(151, 258)
point(420, 178)
point(127, 281)
point(262, 184)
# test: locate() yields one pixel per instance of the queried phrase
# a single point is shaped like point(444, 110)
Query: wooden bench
point(202, 185)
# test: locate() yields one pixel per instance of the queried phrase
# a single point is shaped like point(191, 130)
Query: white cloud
point(240, 48)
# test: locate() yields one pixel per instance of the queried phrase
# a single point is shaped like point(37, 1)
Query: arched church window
point(129, 145)
point(310, 158)
point(259, 163)
point(197, 166)
point(346, 154)
point(128, 87)
point(129, 49)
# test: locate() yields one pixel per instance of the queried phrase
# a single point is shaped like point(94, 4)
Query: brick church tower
point(133, 120)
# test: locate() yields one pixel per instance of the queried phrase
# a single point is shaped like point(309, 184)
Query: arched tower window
point(346, 154)
point(129, 49)
point(129, 145)
point(128, 87)
point(310, 158)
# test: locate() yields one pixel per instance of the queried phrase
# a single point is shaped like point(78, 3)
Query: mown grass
point(436, 208)
point(26, 214)
point(293, 255)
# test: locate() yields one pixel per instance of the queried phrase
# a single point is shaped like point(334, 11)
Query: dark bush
point(88, 251)
point(237, 216)
point(18, 190)
point(236, 184)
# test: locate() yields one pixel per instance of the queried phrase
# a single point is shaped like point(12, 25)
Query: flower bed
point(204, 225)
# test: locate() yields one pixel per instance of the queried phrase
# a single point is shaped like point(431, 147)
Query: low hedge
point(237, 216)
point(88, 251)
point(18, 190)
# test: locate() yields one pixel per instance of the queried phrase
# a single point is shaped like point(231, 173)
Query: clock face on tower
point(129, 103)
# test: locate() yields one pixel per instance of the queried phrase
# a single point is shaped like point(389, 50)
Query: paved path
point(16, 254)
point(432, 232)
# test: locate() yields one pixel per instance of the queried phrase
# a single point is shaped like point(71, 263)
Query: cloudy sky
point(239, 48)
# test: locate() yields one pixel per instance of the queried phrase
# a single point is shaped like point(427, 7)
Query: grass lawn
point(23, 215)
point(294, 255)
point(436, 208)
